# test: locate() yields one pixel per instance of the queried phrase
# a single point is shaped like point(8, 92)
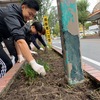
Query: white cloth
point(33, 52)
point(12, 59)
point(20, 58)
point(38, 68)
point(41, 49)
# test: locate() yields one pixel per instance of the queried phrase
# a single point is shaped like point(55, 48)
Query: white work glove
point(38, 68)
point(48, 47)
point(12, 59)
point(41, 49)
point(33, 52)
point(20, 58)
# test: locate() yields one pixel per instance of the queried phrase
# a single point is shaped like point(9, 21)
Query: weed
point(30, 73)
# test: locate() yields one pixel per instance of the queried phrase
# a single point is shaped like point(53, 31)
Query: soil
point(53, 86)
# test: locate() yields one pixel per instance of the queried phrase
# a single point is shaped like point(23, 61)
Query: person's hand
point(46, 49)
point(41, 49)
point(33, 52)
point(20, 58)
point(38, 68)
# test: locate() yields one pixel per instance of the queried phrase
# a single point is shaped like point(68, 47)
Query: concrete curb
point(91, 71)
point(9, 77)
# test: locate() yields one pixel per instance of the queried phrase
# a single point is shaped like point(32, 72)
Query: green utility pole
point(67, 10)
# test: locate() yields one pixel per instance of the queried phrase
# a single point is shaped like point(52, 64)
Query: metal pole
point(68, 18)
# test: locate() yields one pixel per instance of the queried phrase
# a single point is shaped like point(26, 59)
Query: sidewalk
point(90, 70)
point(9, 77)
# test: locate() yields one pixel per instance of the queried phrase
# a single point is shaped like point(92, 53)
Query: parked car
point(89, 32)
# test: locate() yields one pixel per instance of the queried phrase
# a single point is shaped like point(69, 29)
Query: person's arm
point(18, 33)
point(19, 53)
point(18, 49)
point(26, 53)
point(33, 39)
point(24, 49)
point(41, 40)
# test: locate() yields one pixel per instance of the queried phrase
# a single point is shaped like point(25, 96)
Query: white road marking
point(91, 60)
point(85, 58)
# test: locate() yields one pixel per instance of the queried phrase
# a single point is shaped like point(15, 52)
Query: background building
point(95, 17)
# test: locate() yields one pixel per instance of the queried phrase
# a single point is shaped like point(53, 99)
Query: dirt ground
point(53, 86)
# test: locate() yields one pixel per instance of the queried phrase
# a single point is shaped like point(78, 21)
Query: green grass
point(30, 73)
point(45, 64)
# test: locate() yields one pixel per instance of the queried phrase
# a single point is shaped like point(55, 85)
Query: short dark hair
point(31, 4)
point(39, 27)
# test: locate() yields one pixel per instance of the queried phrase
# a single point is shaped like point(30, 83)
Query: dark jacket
point(12, 22)
point(37, 36)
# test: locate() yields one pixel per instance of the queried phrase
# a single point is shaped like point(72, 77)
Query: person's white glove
point(48, 47)
point(38, 68)
point(41, 49)
point(33, 52)
point(20, 58)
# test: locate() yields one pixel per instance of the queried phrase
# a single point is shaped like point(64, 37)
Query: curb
point(9, 77)
point(91, 71)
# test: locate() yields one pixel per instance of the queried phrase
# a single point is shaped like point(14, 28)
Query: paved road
point(90, 50)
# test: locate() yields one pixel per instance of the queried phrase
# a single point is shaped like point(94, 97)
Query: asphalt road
point(90, 50)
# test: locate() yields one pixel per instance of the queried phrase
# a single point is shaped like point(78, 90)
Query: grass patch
point(30, 73)
point(45, 64)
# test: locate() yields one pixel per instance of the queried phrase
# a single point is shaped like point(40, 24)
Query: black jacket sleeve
point(16, 29)
point(41, 40)
point(33, 39)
